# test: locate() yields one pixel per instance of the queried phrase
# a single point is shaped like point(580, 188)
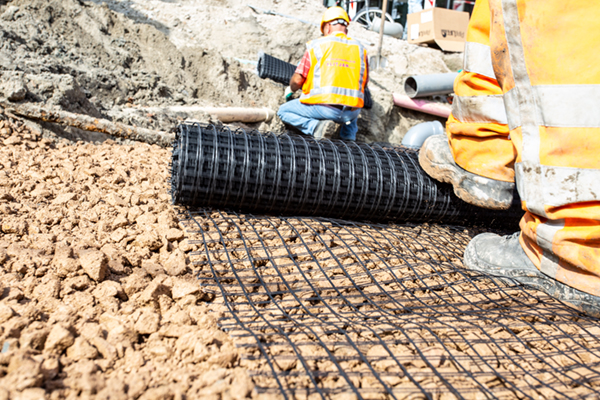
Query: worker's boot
point(436, 159)
point(326, 129)
point(504, 257)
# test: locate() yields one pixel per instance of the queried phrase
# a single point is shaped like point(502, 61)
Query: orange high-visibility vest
point(338, 72)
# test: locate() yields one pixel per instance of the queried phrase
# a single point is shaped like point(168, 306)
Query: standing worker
point(526, 110)
point(333, 75)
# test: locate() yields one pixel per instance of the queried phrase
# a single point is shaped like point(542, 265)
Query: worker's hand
point(288, 93)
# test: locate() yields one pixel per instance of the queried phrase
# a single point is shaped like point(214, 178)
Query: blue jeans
point(306, 117)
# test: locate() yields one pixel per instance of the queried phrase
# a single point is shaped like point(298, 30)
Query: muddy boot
point(326, 129)
point(436, 159)
point(504, 257)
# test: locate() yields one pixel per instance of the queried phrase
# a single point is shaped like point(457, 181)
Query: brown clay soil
point(97, 296)
point(96, 299)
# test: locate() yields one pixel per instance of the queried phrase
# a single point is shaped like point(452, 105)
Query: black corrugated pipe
point(298, 175)
point(274, 69)
point(282, 71)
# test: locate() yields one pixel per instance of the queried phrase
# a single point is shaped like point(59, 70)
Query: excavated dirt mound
point(116, 58)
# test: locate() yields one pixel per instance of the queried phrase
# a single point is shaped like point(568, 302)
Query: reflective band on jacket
point(556, 186)
point(479, 109)
point(337, 90)
point(341, 82)
point(478, 59)
point(544, 239)
point(571, 106)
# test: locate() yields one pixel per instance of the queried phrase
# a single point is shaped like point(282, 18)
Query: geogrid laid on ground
point(324, 308)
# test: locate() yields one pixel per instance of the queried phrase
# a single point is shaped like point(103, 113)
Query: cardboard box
point(446, 28)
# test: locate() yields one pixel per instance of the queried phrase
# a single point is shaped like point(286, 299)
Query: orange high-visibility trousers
point(542, 52)
point(477, 128)
point(543, 59)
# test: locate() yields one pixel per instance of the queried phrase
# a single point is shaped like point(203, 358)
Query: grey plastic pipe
point(416, 136)
point(390, 28)
point(429, 85)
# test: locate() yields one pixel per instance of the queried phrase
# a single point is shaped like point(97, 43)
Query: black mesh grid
point(323, 308)
point(275, 69)
point(297, 175)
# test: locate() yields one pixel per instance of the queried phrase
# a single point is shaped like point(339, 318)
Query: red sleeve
point(304, 65)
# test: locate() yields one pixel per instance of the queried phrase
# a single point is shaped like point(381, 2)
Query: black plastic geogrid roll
point(297, 175)
point(282, 71)
point(275, 69)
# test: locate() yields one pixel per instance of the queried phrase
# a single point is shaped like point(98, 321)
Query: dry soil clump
point(96, 297)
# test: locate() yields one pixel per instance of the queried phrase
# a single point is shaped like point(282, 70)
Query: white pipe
point(422, 105)
point(415, 137)
point(270, 12)
point(430, 84)
point(238, 114)
point(224, 114)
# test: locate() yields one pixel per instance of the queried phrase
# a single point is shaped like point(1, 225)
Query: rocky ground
point(97, 296)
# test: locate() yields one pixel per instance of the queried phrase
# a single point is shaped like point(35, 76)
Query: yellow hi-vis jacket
point(338, 72)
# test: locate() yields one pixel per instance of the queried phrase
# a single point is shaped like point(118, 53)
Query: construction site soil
point(99, 298)
point(118, 59)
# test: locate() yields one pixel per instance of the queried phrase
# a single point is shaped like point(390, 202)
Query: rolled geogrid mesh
point(297, 175)
point(275, 69)
point(282, 71)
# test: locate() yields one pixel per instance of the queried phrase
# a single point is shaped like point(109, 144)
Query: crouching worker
point(521, 118)
point(332, 75)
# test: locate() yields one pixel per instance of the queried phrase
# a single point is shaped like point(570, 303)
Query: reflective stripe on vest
point(478, 59)
point(319, 88)
point(531, 107)
point(479, 109)
point(570, 106)
point(337, 90)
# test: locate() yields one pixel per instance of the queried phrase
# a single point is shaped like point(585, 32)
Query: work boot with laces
point(325, 129)
point(436, 159)
point(503, 256)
